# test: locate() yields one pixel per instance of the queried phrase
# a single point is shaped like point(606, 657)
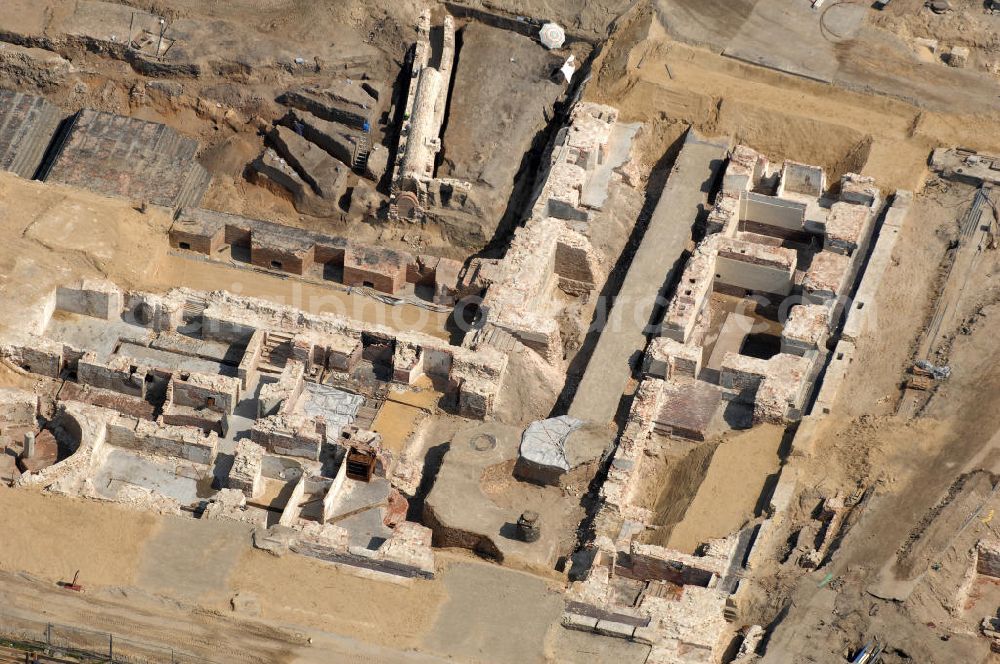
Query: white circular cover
point(552, 35)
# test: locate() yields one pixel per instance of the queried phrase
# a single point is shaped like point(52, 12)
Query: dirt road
point(163, 627)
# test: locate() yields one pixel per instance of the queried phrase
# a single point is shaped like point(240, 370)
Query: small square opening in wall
point(840, 356)
point(210, 402)
point(861, 305)
point(276, 265)
point(368, 284)
point(184, 245)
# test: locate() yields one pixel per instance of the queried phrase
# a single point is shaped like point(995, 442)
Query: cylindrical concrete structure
point(422, 49)
point(447, 62)
point(422, 141)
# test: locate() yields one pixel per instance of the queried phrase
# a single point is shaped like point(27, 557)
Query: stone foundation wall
point(118, 375)
point(164, 440)
point(247, 371)
point(246, 473)
point(290, 436)
point(988, 558)
point(38, 355)
point(98, 299)
point(196, 390)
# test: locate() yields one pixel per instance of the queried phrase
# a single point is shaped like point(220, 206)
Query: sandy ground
point(300, 590)
point(727, 496)
point(193, 560)
point(652, 79)
point(911, 464)
point(52, 538)
point(477, 612)
point(904, 302)
point(173, 571)
point(396, 422)
point(403, 412)
point(145, 575)
point(493, 640)
point(60, 235)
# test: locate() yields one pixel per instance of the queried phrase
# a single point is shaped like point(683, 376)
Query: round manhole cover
point(483, 442)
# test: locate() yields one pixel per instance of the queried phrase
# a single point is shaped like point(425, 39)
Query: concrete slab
point(360, 509)
point(183, 481)
point(475, 501)
point(595, 191)
point(623, 336)
point(162, 359)
point(495, 615)
point(792, 37)
point(86, 333)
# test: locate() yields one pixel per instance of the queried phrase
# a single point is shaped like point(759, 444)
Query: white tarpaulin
point(568, 68)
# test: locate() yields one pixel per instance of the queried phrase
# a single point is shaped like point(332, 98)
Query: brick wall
point(389, 282)
point(203, 244)
point(276, 259)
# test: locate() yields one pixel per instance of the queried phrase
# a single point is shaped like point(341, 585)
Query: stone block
point(579, 622)
point(988, 558)
point(246, 474)
point(326, 176)
point(375, 267)
point(342, 101)
point(94, 298)
point(959, 57)
point(615, 629)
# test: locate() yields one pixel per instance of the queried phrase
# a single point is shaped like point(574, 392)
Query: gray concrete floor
point(624, 335)
point(788, 36)
point(494, 615)
point(191, 559)
point(98, 335)
point(181, 480)
point(595, 192)
point(364, 503)
point(164, 359)
point(500, 616)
